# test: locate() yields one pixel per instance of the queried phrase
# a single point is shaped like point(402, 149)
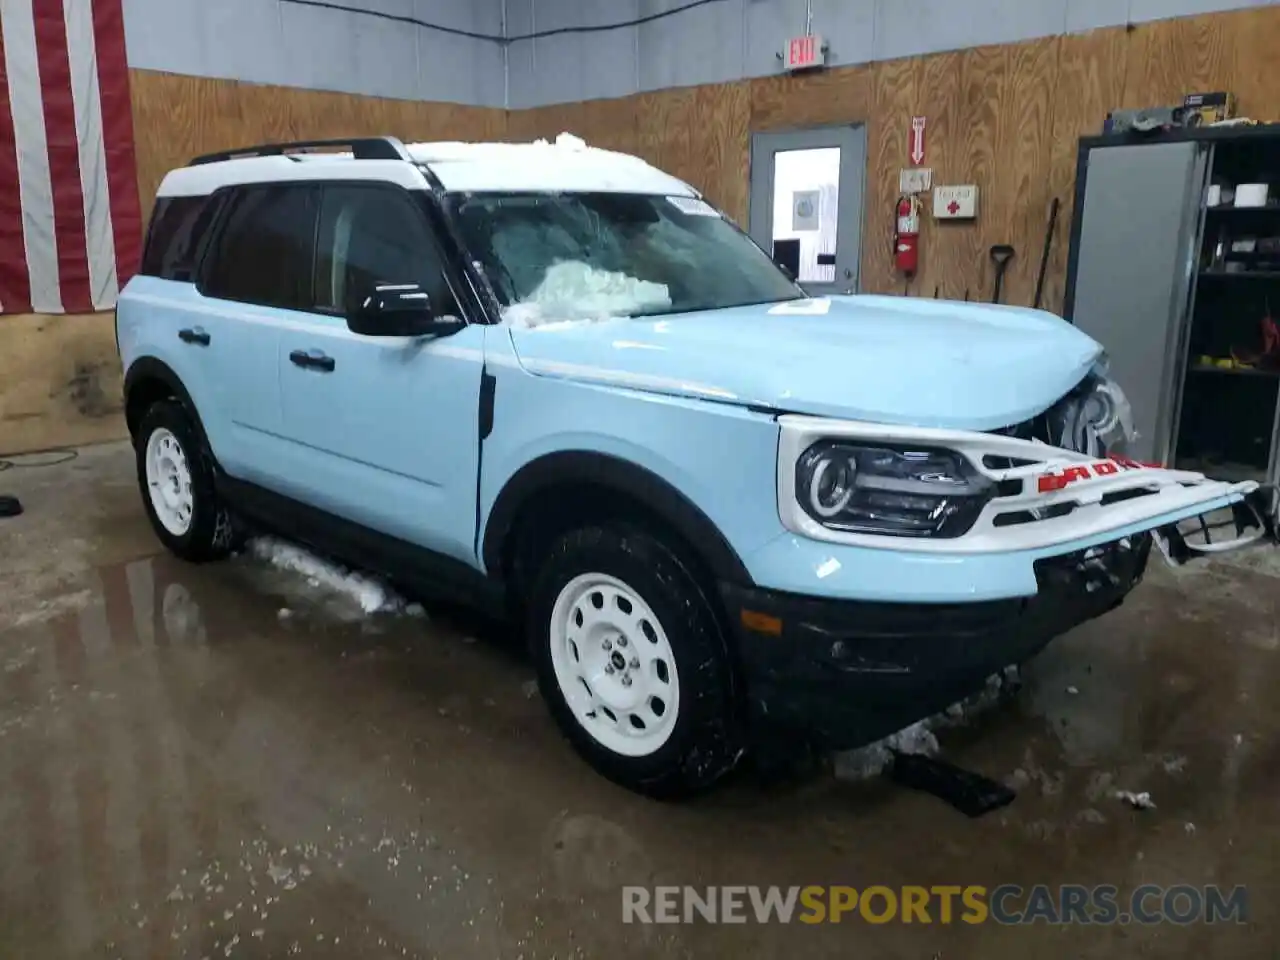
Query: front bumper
point(843, 673)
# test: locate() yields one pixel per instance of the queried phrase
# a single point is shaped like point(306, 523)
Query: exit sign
point(804, 53)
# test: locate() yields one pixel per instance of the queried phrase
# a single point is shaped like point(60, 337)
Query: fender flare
point(149, 368)
point(604, 470)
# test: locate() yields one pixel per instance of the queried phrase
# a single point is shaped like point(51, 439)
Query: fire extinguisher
point(906, 235)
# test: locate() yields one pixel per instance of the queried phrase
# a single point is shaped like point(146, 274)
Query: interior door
point(806, 203)
point(383, 429)
point(1138, 238)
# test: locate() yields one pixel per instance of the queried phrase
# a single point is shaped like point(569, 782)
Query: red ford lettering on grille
point(1104, 468)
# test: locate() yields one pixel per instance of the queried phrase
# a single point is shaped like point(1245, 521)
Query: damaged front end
point(1095, 419)
point(1032, 530)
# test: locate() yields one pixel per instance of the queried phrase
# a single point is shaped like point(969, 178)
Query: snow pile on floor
point(1139, 801)
point(574, 291)
point(870, 761)
point(372, 595)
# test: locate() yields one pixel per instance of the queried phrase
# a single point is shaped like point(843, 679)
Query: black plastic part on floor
point(970, 793)
point(9, 506)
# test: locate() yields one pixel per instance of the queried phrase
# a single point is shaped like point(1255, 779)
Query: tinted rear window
point(265, 253)
point(174, 242)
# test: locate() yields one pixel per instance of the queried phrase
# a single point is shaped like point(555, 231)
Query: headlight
point(1099, 420)
point(879, 490)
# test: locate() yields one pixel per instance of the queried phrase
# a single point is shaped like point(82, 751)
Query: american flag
point(70, 221)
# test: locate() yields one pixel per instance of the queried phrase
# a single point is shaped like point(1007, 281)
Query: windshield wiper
point(668, 311)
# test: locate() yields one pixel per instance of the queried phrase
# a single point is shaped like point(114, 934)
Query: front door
point(383, 430)
point(806, 203)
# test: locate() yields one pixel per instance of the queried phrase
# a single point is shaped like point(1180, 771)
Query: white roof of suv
point(568, 165)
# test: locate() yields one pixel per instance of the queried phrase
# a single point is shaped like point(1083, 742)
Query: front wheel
point(176, 480)
point(632, 661)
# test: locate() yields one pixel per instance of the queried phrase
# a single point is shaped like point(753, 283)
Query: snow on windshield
point(573, 290)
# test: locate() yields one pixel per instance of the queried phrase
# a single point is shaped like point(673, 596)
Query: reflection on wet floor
point(188, 774)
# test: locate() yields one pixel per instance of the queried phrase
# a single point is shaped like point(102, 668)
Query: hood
point(898, 360)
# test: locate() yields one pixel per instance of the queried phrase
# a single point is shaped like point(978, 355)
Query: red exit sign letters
point(804, 53)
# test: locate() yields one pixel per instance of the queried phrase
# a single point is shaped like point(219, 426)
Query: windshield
point(553, 257)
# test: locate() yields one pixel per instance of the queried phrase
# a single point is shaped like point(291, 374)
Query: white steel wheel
point(614, 665)
point(169, 482)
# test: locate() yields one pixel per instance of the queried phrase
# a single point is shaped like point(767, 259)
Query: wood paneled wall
point(1005, 117)
point(176, 118)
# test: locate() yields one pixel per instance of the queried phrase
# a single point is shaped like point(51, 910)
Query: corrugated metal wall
point(731, 39)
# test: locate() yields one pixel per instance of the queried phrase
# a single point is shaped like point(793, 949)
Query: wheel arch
point(149, 380)
point(567, 473)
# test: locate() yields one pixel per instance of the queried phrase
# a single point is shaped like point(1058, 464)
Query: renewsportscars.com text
point(1006, 904)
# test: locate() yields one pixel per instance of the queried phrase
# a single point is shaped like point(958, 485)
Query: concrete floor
point(183, 773)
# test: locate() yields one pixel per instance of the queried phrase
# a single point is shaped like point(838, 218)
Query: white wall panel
point(849, 28)
point(267, 41)
point(270, 41)
point(1089, 14)
point(908, 28)
point(702, 46)
point(560, 68)
point(730, 39)
point(1141, 10)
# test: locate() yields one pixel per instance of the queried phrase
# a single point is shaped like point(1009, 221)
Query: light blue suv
point(553, 381)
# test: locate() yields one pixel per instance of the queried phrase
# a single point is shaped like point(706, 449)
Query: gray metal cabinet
point(1139, 228)
point(1153, 277)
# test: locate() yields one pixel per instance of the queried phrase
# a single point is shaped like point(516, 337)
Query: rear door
point(257, 280)
point(383, 430)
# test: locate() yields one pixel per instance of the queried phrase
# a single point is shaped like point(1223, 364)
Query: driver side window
point(372, 235)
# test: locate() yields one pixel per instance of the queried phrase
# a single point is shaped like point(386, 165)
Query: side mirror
point(400, 310)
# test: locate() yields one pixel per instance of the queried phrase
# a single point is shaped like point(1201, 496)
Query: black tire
point(705, 742)
point(210, 534)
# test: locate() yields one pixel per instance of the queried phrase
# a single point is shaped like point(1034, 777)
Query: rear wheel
point(176, 479)
point(632, 661)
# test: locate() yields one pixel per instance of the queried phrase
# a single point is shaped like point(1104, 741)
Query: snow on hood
point(575, 291)
point(932, 363)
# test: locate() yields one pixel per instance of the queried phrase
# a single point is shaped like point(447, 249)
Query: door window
point(371, 235)
point(806, 203)
point(265, 251)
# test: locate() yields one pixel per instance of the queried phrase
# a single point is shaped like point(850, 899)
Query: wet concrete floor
point(185, 772)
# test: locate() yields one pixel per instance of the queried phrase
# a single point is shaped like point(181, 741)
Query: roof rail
point(363, 148)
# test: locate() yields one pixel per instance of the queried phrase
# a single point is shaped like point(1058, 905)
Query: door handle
point(194, 335)
point(312, 360)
